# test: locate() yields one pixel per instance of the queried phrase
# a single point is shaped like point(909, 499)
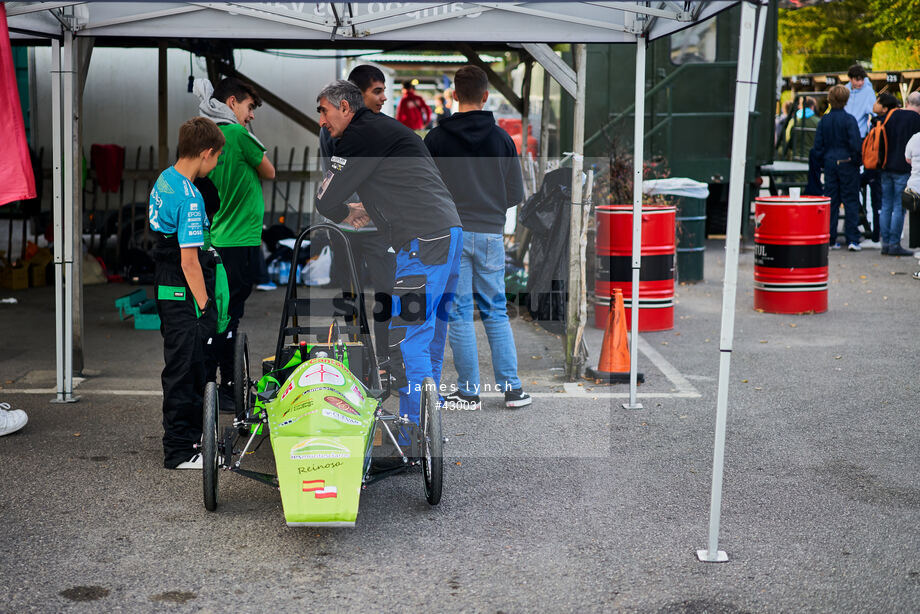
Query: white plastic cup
point(795, 193)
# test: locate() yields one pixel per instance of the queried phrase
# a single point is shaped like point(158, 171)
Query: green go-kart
point(319, 400)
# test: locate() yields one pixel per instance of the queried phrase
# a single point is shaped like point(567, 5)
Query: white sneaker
point(266, 287)
point(192, 463)
point(854, 247)
point(870, 245)
point(11, 420)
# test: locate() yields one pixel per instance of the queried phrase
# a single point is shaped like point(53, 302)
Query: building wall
point(120, 97)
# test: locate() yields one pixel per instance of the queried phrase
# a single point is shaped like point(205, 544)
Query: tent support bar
point(143, 17)
point(272, 14)
point(63, 62)
point(57, 182)
point(730, 284)
point(497, 82)
point(645, 10)
point(553, 64)
point(420, 21)
point(561, 17)
point(573, 305)
point(638, 158)
point(24, 9)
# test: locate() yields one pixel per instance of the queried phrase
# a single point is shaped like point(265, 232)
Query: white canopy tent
point(532, 25)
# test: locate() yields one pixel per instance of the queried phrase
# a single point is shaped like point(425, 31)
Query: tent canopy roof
point(347, 23)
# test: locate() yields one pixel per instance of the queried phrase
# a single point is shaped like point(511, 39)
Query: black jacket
point(902, 125)
point(389, 167)
point(836, 139)
point(479, 164)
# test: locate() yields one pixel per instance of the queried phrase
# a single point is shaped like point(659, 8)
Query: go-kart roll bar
point(291, 293)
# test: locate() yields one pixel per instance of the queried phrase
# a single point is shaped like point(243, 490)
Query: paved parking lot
point(572, 504)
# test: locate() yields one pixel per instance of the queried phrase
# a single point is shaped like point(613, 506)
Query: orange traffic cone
point(613, 365)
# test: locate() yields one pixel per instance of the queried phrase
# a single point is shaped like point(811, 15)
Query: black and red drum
point(656, 272)
point(790, 254)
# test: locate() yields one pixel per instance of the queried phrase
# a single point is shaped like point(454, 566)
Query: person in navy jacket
point(838, 150)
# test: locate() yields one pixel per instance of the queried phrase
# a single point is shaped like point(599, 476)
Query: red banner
point(16, 180)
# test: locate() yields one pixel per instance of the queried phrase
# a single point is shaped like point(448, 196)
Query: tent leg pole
point(58, 210)
point(638, 159)
point(72, 244)
point(573, 288)
point(730, 284)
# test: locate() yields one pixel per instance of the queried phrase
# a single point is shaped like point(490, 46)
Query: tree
point(896, 19)
point(842, 28)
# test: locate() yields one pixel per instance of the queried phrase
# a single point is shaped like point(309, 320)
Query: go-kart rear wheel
point(209, 460)
point(432, 444)
point(241, 382)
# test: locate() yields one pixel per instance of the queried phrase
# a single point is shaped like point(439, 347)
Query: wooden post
point(573, 287)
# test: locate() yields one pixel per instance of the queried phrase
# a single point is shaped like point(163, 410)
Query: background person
point(862, 98)
point(369, 245)
point(183, 273)
point(413, 112)
point(479, 164)
point(901, 126)
point(871, 177)
point(403, 193)
point(839, 148)
point(237, 228)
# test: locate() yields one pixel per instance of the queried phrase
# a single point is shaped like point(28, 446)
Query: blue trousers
point(427, 269)
point(841, 184)
point(482, 284)
point(892, 217)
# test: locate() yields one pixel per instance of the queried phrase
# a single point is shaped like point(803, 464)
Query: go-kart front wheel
point(432, 444)
point(241, 382)
point(209, 460)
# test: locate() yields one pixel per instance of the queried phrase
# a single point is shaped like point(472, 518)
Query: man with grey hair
point(402, 191)
point(901, 125)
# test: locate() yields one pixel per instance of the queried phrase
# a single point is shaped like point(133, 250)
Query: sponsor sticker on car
point(329, 413)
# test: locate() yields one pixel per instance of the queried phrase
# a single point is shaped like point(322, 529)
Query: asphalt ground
point(573, 504)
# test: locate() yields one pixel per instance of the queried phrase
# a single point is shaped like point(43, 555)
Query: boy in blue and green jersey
point(185, 274)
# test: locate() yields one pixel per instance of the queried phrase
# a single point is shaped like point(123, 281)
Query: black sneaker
point(517, 398)
point(458, 400)
point(897, 250)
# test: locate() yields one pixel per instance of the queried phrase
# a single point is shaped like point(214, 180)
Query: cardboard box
point(14, 278)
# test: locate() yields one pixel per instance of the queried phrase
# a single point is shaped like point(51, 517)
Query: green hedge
point(896, 55)
point(815, 63)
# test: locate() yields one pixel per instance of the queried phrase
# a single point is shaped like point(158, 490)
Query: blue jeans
point(892, 217)
point(482, 281)
point(426, 282)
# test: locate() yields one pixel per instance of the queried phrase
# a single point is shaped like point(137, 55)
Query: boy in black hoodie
point(478, 162)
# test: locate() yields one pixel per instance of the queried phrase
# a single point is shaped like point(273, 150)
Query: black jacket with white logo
point(390, 168)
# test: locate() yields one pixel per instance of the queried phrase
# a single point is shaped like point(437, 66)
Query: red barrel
point(656, 272)
point(791, 239)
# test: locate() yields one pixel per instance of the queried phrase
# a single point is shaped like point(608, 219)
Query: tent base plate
point(703, 556)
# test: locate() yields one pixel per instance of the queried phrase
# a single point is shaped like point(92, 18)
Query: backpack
point(875, 145)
